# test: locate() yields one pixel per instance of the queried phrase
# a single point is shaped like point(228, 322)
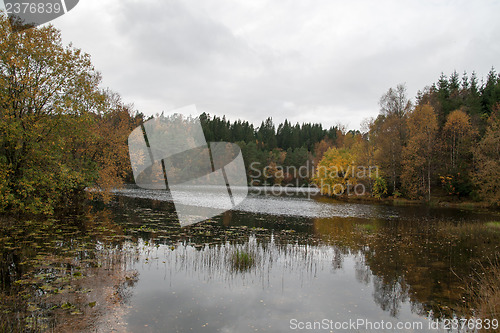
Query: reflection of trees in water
point(390, 294)
point(421, 262)
point(362, 270)
point(338, 257)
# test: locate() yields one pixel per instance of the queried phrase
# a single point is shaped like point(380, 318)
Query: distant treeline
point(270, 148)
point(268, 136)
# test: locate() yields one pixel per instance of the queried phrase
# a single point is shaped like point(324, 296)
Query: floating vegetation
point(494, 224)
point(52, 270)
point(367, 227)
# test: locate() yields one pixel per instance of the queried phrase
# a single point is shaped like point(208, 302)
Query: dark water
point(269, 266)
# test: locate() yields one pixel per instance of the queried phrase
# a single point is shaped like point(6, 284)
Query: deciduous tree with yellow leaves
point(335, 172)
point(458, 133)
point(487, 155)
point(417, 154)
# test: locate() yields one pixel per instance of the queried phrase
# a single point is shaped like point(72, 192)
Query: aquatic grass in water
point(242, 260)
point(485, 290)
point(489, 230)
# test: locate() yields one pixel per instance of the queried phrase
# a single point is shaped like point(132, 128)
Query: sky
point(323, 61)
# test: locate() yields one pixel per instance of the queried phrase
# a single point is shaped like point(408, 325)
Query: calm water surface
point(309, 259)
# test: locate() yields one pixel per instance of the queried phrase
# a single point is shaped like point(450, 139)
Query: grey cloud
point(167, 31)
point(329, 61)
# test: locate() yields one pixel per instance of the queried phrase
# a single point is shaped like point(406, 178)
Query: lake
point(273, 264)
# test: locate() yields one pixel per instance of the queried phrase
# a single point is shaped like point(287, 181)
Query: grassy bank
point(434, 202)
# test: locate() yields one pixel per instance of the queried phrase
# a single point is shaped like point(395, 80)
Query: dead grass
point(485, 290)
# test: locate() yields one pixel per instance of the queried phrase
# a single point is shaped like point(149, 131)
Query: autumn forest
point(62, 133)
point(396, 220)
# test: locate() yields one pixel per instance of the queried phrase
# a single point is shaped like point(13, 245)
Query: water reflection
point(428, 263)
point(188, 289)
point(407, 265)
point(383, 263)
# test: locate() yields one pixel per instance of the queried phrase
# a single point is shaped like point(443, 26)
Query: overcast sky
point(322, 61)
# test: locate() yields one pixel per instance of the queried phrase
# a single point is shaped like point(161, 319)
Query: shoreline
point(435, 202)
